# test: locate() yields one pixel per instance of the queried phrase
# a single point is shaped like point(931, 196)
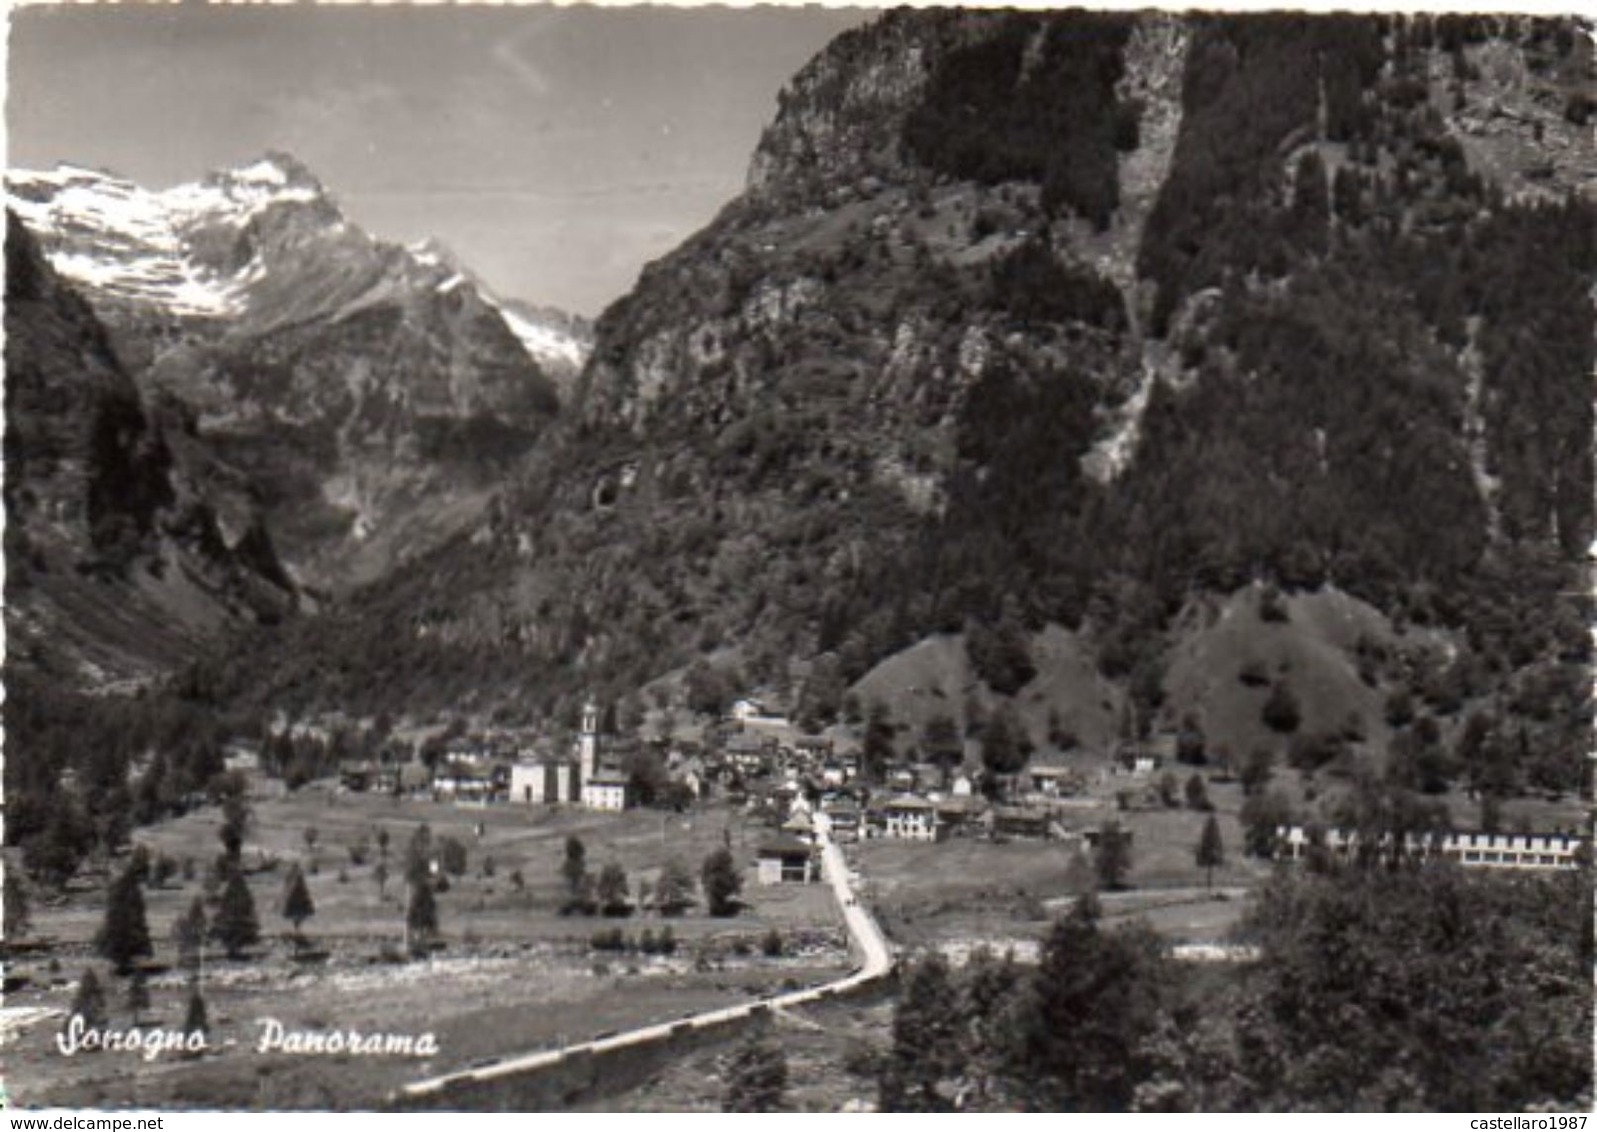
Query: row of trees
point(1449, 991)
point(609, 892)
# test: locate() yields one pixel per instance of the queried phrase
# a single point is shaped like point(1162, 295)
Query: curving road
point(866, 941)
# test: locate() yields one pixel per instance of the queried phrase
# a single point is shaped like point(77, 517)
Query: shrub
point(1281, 712)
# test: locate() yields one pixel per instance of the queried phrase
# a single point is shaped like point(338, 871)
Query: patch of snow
point(544, 343)
point(264, 171)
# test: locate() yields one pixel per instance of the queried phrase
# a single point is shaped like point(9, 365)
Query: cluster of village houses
point(758, 760)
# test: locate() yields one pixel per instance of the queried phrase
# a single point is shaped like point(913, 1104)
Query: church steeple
point(588, 741)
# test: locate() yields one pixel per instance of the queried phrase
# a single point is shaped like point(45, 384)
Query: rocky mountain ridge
point(371, 392)
point(128, 547)
point(1067, 321)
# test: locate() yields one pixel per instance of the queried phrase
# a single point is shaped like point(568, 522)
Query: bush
point(771, 944)
point(1281, 712)
point(453, 856)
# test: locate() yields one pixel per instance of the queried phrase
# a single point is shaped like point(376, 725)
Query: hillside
point(1073, 320)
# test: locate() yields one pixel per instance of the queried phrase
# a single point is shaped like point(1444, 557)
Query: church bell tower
point(588, 741)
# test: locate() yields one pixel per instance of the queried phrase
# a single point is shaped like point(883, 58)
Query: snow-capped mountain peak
point(557, 341)
point(125, 242)
point(262, 243)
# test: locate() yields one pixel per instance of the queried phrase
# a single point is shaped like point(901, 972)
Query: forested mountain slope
point(1070, 319)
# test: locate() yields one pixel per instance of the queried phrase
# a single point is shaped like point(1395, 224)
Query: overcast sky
point(555, 150)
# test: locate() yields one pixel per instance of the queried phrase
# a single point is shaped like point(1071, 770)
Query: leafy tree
point(1197, 793)
point(1113, 858)
point(1429, 972)
point(999, 654)
point(454, 856)
point(1081, 1033)
point(989, 989)
point(1256, 772)
point(771, 944)
point(382, 842)
point(612, 890)
point(1003, 749)
point(927, 1055)
point(1262, 815)
point(1169, 790)
point(52, 857)
point(942, 742)
point(708, 689)
point(1191, 743)
point(721, 882)
point(297, 904)
point(89, 1001)
point(823, 693)
point(756, 1078)
point(878, 747)
point(674, 890)
point(236, 926)
point(124, 936)
point(1210, 853)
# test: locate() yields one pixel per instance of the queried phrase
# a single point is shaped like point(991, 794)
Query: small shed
point(786, 860)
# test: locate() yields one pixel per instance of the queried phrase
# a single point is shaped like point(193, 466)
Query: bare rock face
point(1057, 319)
point(371, 392)
point(128, 546)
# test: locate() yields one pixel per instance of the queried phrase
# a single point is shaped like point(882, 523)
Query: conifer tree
point(297, 904)
point(188, 933)
point(421, 916)
point(124, 936)
point(89, 1001)
point(1210, 852)
point(236, 926)
point(195, 1019)
point(674, 890)
point(612, 890)
point(1114, 855)
point(926, 1053)
point(721, 882)
point(756, 1078)
point(17, 914)
point(138, 996)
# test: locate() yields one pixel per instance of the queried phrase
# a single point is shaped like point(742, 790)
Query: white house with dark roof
point(910, 818)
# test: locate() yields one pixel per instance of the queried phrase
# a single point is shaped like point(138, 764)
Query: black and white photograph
point(780, 559)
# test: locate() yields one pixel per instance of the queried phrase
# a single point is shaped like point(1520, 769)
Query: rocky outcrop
point(373, 394)
point(128, 546)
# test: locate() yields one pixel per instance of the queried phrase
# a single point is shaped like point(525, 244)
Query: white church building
point(576, 779)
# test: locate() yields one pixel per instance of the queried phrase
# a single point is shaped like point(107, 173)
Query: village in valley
point(925, 560)
point(608, 884)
